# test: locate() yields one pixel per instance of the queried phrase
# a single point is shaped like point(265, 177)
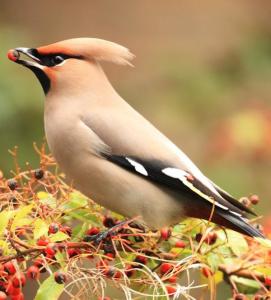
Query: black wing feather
point(154, 169)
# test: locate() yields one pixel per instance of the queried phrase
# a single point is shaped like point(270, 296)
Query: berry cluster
point(13, 279)
point(47, 227)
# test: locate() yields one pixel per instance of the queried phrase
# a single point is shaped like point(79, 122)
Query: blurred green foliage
point(20, 106)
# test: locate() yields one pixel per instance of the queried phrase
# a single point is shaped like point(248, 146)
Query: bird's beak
point(15, 55)
point(35, 64)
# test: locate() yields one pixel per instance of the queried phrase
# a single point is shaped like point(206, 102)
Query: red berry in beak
point(13, 55)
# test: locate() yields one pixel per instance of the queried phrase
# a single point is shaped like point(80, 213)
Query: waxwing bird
point(112, 153)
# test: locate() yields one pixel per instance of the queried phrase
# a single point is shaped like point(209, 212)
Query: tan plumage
point(113, 154)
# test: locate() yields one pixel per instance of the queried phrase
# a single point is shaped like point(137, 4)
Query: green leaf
point(80, 230)
point(237, 243)
point(47, 199)
point(58, 237)
point(20, 214)
point(84, 216)
point(266, 270)
point(4, 218)
point(21, 222)
point(214, 260)
point(60, 259)
point(23, 212)
point(76, 200)
point(247, 286)
point(178, 228)
point(185, 253)
point(40, 228)
point(4, 247)
point(49, 289)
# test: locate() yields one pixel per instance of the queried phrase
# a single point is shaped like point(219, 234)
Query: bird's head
point(68, 60)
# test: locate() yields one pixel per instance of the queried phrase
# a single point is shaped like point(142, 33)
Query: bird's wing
point(176, 179)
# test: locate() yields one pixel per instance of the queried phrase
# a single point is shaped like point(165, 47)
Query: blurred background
point(202, 75)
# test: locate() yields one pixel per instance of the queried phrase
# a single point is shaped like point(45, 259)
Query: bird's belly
point(125, 193)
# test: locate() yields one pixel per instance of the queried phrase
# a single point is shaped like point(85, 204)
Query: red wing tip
point(13, 55)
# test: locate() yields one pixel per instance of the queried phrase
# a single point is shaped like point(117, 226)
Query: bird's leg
point(97, 238)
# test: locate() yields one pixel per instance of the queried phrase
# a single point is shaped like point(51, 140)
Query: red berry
point(109, 222)
point(198, 237)
point(53, 228)
point(20, 259)
point(172, 279)
point(259, 297)
point(38, 173)
point(66, 229)
point(17, 297)
point(110, 272)
point(211, 238)
point(267, 281)
point(18, 280)
point(93, 231)
point(11, 290)
point(254, 199)
point(239, 296)
point(72, 252)
point(12, 184)
point(129, 271)
point(60, 277)
point(171, 290)
point(9, 268)
point(166, 268)
point(165, 233)
point(33, 272)
point(104, 298)
point(50, 249)
point(180, 244)
point(110, 256)
point(39, 262)
point(141, 259)
point(3, 296)
point(117, 275)
point(206, 272)
point(43, 241)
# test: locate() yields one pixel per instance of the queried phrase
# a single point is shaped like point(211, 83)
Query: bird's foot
point(102, 236)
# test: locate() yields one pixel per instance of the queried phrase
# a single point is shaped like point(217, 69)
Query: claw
point(101, 236)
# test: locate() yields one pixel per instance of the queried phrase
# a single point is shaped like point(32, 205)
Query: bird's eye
point(58, 59)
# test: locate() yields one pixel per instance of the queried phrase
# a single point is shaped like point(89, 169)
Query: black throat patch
point(42, 77)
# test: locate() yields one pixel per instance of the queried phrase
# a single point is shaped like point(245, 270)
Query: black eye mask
point(51, 60)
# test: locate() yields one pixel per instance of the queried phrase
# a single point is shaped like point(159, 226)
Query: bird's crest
point(90, 48)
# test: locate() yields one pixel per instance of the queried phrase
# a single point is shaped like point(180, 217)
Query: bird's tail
point(240, 224)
